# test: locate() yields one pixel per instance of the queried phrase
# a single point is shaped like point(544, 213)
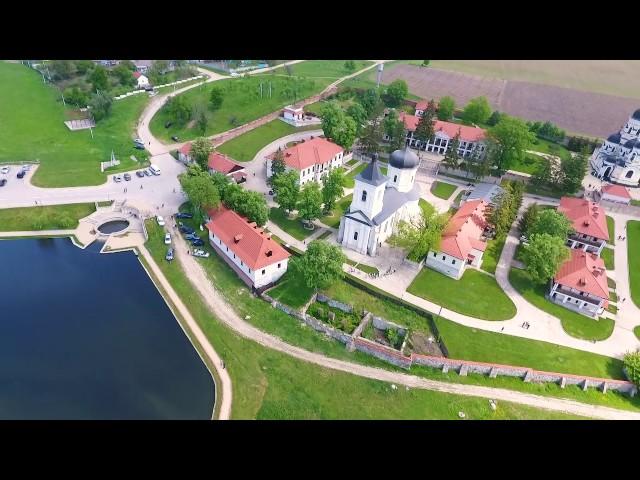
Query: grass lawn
point(637, 331)
point(242, 102)
point(291, 290)
point(611, 282)
point(363, 267)
point(32, 118)
point(635, 203)
point(607, 256)
point(551, 148)
point(244, 148)
point(351, 162)
point(529, 164)
point(333, 69)
point(492, 254)
point(475, 294)
point(292, 226)
point(52, 217)
point(633, 240)
point(443, 190)
point(573, 323)
point(611, 229)
point(341, 206)
point(349, 179)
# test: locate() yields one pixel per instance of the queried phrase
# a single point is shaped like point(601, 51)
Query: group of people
point(525, 325)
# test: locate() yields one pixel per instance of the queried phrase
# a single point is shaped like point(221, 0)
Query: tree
point(200, 189)
point(62, 69)
point(320, 265)
point(202, 122)
point(479, 163)
point(369, 99)
point(477, 110)
point(389, 123)
point(632, 366)
point(332, 188)
point(99, 79)
point(338, 126)
point(128, 64)
point(287, 190)
point(254, 207)
point(83, 66)
point(76, 97)
point(310, 203)
point(350, 66)
point(552, 223)
point(513, 139)
point(506, 207)
point(277, 165)
point(543, 174)
point(216, 97)
point(396, 92)
point(124, 75)
point(359, 115)
point(446, 107)
point(158, 68)
point(100, 106)
point(369, 142)
point(424, 130)
point(425, 63)
point(494, 118)
point(451, 157)
point(529, 218)
point(178, 109)
point(201, 148)
point(574, 168)
point(398, 137)
point(420, 234)
point(543, 255)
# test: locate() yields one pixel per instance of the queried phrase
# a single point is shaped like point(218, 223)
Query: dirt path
point(225, 313)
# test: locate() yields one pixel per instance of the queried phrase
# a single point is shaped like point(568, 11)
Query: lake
point(85, 335)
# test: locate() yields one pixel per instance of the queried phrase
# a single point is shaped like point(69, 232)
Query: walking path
point(225, 313)
point(223, 392)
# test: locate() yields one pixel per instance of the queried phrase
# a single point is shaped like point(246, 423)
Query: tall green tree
point(574, 168)
point(338, 126)
point(216, 97)
point(543, 256)
point(389, 122)
point(553, 223)
point(513, 139)
point(420, 234)
point(200, 189)
point(446, 107)
point(320, 265)
point(100, 105)
point(369, 99)
point(277, 165)
point(99, 79)
point(543, 174)
point(252, 205)
point(632, 366)
point(201, 148)
point(124, 75)
point(477, 110)
point(359, 115)
point(178, 109)
point(424, 130)
point(83, 66)
point(286, 187)
point(310, 203)
point(332, 188)
point(396, 92)
point(371, 137)
point(62, 69)
point(398, 137)
point(494, 118)
point(451, 157)
point(529, 218)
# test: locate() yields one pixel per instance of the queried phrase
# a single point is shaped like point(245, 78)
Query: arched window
point(395, 178)
point(364, 195)
point(629, 174)
point(355, 235)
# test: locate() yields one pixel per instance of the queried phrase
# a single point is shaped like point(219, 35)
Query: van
point(154, 169)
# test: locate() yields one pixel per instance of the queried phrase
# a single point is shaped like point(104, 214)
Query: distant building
point(142, 80)
point(251, 252)
point(589, 223)
point(218, 162)
point(293, 114)
point(615, 193)
point(581, 284)
point(463, 241)
point(488, 192)
point(143, 66)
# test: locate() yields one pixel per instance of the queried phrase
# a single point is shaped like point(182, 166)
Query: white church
point(380, 202)
point(618, 159)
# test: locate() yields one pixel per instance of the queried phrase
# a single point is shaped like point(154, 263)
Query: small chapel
point(380, 202)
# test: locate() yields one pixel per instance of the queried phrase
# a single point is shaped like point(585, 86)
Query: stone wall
point(334, 303)
point(382, 324)
point(383, 353)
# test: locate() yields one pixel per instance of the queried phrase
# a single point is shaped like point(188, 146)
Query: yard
point(443, 190)
point(633, 240)
point(32, 118)
point(341, 206)
point(245, 147)
point(611, 227)
point(528, 165)
point(52, 217)
point(333, 69)
point(293, 226)
point(476, 294)
point(349, 179)
point(576, 325)
point(608, 257)
point(242, 103)
point(492, 254)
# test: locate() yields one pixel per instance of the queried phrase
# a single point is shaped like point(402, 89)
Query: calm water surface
point(85, 335)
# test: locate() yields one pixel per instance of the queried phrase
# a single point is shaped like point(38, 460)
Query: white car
point(117, 178)
point(4, 170)
point(200, 253)
point(160, 220)
point(167, 239)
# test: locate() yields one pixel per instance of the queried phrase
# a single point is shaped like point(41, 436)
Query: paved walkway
point(226, 314)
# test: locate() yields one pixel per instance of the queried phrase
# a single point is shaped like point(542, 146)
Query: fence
point(177, 82)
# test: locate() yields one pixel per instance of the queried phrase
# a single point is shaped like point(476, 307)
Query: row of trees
point(506, 207)
point(564, 177)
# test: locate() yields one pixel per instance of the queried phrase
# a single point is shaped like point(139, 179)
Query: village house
point(421, 106)
point(463, 241)
point(141, 79)
point(142, 66)
point(250, 251)
point(312, 159)
point(489, 192)
point(297, 117)
point(616, 194)
point(589, 223)
point(218, 162)
point(581, 284)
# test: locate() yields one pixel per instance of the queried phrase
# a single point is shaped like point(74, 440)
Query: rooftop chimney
point(237, 238)
point(269, 253)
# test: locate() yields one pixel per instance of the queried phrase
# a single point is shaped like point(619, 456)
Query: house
point(421, 106)
point(312, 159)
point(471, 138)
point(143, 66)
point(251, 252)
point(463, 242)
point(142, 80)
point(218, 162)
point(618, 158)
point(293, 114)
point(581, 284)
point(489, 192)
point(589, 223)
point(616, 194)
point(380, 202)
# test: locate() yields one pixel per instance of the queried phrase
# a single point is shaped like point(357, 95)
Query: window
point(234, 255)
point(241, 264)
point(364, 195)
point(395, 178)
point(264, 271)
point(435, 254)
point(227, 249)
point(355, 235)
point(629, 174)
point(278, 265)
point(453, 262)
point(443, 257)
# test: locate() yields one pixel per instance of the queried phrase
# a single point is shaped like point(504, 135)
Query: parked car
point(21, 174)
point(169, 255)
point(191, 236)
point(117, 178)
point(146, 172)
point(186, 230)
point(3, 182)
point(148, 88)
point(153, 93)
point(139, 146)
point(127, 177)
point(168, 124)
point(197, 242)
point(138, 140)
point(184, 215)
point(175, 138)
point(200, 253)
point(154, 169)
point(26, 167)
point(160, 220)
point(270, 192)
point(167, 239)
point(4, 170)
point(139, 173)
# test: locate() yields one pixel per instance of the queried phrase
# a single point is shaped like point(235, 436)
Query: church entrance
point(607, 173)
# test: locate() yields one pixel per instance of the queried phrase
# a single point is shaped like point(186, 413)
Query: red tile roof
point(223, 164)
point(185, 149)
point(248, 241)
point(617, 190)
point(587, 217)
point(311, 152)
point(468, 134)
point(136, 74)
point(422, 105)
point(463, 232)
point(584, 272)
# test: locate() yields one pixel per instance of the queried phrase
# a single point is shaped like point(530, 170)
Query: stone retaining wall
point(334, 303)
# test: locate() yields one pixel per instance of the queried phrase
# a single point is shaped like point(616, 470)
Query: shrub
point(394, 337)
point(632, 366)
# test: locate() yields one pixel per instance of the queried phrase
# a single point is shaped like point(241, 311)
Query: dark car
point(184, 215)
point(139, 173)
point(3, 182)
point(138, 146)
point(148, 88)
point(168, 124)
point(191, 236)
point(197, 243)
point(175, 138)
point(21, 174)
point(127, 177)
point(270, 192)
point(187, 230)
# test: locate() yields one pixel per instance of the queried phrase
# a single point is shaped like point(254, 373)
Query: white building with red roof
point(471, 138)
point(258, 260)
point(581, 284)
point(142, 80)
point(218, 162)
point(463, 241)
point(616, 194)
point(589, 223)
point(312, 159)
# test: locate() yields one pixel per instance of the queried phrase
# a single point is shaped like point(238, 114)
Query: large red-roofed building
point(462, 241)
point(589, 221)
point(581, 284)
point(218, 162)
point(258, 260)
point(616, 194)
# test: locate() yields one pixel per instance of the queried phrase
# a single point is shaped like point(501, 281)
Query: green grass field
point(293, 226)
point(245, 147)
point(349, 179)
point(492, 254)
point(633, 241)
point(341, 206)
point(608, 257)
point(242, 101)
point(475, 294)
point(573, 323)
point(529, 164)
point(443, 190)
point(611, 227)
point(636, 331)
point(52, 217)
point(32, 118)
point(332, 69)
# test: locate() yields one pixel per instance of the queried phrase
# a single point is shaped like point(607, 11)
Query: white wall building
point(142, 80)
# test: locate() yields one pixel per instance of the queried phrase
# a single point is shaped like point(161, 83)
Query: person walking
point(140, 187)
